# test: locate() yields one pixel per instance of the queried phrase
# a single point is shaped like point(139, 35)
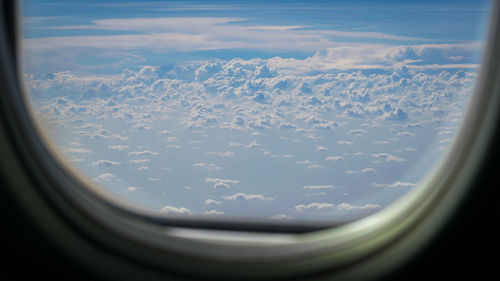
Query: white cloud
point(77, 150)
point(118, 147)
point(358, 132)
point(174, 146)
point(218, 182)
point(175, 210)
point(164, 133)
point(387, 157)
point(367, 170)
point(209, 33)
point(334, 158)
point(142, 153)
point(405, 134)
point(212, 201)
point(313, 206)
point(362, 171)
point(221, 154)
point(310, 164)
point(281, 217)
point(207, 166)
point(412, 149)
point(214, 212)
point(244, 196)
point(133, 188)
point(252, 144)
point(347, 206)
point(397, 184)
point(321, 148)
point(105, 163)
point(105, 177)
point(142, 126)
point(314, 187)
point(139, 161)
point(233, 144)
point(211, 97)
point(304, 162)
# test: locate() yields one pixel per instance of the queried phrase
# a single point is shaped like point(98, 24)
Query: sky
point(300, 111)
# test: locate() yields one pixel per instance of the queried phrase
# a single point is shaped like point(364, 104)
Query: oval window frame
point(143, 245)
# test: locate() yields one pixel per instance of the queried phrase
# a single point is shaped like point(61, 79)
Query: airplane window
point(282, 111)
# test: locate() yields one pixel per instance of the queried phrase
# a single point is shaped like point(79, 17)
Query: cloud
point(234, 144)
point(105, 177)
point(164, 133)
point(398, 184)
point(139, 161)
point(218, 182)
point(77, 150)
point(175, 210)
point(133, 188)
point(348, 207)
point(174, 146)
point(357, 132)
point(315, 166)
point(142, 153)
point(387, 157)
point(118, 147)
point(405, 149)
point(211, 33)
point(379, 56)
point(405, 134)
point(142, 126)
point(105, 163)
point(281, 217)
point(244, 196)
point(316, 187)
point(334, 158)
point(313, 206)
point(321, 148)
point(211, 201)
point(212, 92)
point(252, 144)
point(214, 212)
point(221, 154)
point(304, 162)
point(205, 166)
point(310, 164)
point(362, 171)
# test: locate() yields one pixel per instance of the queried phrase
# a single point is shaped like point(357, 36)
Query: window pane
point(314, 111)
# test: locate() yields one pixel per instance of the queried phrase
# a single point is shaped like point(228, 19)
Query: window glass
point(314, 111)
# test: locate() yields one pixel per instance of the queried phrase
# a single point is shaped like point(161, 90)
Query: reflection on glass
point(303, 110)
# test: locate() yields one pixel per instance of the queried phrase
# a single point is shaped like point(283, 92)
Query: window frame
point(138, 246)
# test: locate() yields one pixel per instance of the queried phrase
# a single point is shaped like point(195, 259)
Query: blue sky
point(289, 110)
